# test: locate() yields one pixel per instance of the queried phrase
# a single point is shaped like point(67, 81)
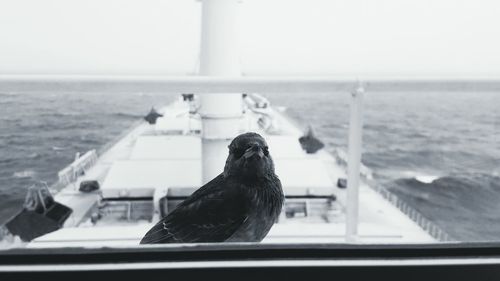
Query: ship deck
point(150, 161)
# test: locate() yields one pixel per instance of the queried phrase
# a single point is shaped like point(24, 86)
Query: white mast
point(222, 112)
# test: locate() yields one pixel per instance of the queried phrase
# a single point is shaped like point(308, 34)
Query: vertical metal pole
point(221, 113)
point(354, 163)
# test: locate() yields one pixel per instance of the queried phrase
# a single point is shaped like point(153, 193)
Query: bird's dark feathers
point(227, 208)
point(210, 214)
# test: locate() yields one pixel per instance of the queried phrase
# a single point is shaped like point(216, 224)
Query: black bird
point(239, 205)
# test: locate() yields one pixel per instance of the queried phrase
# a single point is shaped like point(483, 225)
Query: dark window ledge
point(461, 261)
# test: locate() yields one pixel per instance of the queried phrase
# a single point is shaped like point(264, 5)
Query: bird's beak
point(254, 150)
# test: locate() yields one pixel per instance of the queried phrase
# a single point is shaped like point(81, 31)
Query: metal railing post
point(354, 163)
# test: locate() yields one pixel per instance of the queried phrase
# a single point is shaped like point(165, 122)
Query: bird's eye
point(266, 151)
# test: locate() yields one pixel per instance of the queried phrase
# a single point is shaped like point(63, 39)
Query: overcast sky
point(418, 38)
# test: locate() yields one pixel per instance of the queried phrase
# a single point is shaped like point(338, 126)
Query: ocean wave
point(127, 115)
point(419, 176)
point(5, 102)
point(465, 180)
point(58, 148)
point(24, 174)
point(56, 114)
point(33, 155)
point(469, 200)
point(7, 160)
point(9, 241)
point(9, 94)
point(426, 179)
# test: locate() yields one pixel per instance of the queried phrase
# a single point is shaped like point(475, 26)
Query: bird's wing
point(211, 214)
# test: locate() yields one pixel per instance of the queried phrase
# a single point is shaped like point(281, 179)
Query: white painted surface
point(166, 147)
point(129, 235)
point(199, 84)
point(285, 147)
point(298, 175)
point(139, 178)
point(179, 124)
point(289, 263)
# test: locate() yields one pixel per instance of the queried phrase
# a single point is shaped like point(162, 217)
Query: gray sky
point(355, 38)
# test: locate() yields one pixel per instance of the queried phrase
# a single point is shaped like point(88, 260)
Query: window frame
point(457, 260)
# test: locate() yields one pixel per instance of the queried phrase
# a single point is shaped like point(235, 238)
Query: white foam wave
point(11, 242)
point(33, 155)
point(58, 148)
point(426, 179)
point(24, 174)
point(423, 178)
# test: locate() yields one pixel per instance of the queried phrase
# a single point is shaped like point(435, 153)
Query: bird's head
point(249, 158)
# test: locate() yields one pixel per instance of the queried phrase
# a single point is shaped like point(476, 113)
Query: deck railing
point(77, 167)
point(206, 85)
point(435, 231)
